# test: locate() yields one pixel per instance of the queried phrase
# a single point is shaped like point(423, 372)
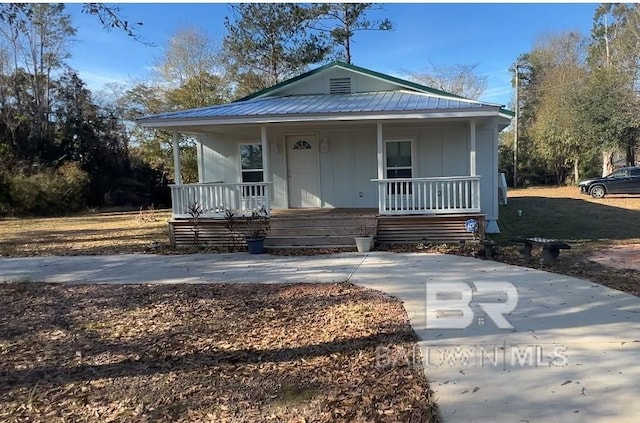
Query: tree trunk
point(607, 162)
point(631, 155)
point(558, 169)
point(576, 171)
point(347, 28)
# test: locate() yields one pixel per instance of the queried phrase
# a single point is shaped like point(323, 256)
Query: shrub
point(48, 191)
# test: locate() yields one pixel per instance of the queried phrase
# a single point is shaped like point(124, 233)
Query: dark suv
point(622, 181)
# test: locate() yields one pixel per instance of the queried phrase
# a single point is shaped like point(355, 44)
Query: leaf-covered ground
point(233, 352)
point(93, 233)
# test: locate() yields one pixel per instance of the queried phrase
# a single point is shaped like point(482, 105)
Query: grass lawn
point(564, 213)
point(97, 233)
point(587, 224)
point(223, 353)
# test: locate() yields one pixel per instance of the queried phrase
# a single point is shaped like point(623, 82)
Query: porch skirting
point(211, 232)
point(426, 229)
point(330, 229)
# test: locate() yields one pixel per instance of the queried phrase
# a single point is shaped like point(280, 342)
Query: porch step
point(309, 241)
point(320, 228)
point(315, 231)
point(310, 247)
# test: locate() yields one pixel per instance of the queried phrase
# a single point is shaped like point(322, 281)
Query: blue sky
point(491, 35)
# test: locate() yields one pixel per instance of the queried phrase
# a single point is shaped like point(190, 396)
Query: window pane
point(252, 176)
point(399, 154)
point(302, 145)
point(398, 173)
point(251, 156)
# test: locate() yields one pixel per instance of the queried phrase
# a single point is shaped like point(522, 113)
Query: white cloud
point(96, 80)
point(498, 94)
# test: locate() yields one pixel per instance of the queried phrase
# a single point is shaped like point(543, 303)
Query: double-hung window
point(251, 162)
point(251, 168)
point(399, 164)
point(398, 159)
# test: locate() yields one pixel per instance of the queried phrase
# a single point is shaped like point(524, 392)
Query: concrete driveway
point(571, 353)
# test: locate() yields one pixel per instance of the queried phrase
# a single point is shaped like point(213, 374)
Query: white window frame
point(242, 171)
point(413, 156)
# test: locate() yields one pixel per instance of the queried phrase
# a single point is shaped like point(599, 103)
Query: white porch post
point(266, 161)
point(472, 148)
point(380, 157)
point(380, 149)
point(200, 156)
point(177, 173)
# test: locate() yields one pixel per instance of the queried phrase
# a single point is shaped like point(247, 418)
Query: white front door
point(303, 171)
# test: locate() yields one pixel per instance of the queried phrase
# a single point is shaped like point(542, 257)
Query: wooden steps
point(317, 230)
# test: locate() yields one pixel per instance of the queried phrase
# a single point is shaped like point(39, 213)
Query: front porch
point(399, 196)
point(417, 182)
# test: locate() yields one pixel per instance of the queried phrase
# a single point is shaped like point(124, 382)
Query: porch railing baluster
point(455, 194)
point(215, 198)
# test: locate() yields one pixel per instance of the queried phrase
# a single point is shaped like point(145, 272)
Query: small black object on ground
point(550, 247)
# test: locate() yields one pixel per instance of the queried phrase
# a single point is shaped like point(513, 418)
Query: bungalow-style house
point(342, 141)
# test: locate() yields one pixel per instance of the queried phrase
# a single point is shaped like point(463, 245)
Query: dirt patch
point(619, 256)
point(224, 353)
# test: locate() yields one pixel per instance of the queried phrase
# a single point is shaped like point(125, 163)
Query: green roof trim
point(507, 112)
point(388, 78)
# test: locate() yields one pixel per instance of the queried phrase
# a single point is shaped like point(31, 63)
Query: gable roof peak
point(413, 86)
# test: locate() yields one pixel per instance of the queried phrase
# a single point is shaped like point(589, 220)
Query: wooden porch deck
point(333, 228)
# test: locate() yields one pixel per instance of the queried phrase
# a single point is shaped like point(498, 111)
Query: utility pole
point(515, 133)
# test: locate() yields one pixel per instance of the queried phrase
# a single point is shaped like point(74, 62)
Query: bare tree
point(458, 79)
point(189, 52)
point(38, 37)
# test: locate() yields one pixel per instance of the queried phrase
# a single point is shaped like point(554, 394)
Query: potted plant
point(364, 242)
point(257, 228)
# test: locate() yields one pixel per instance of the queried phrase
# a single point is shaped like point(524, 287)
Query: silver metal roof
point(386, 101)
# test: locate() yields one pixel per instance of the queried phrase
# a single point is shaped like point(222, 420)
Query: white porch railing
point(215, 198)
point(455, 194)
